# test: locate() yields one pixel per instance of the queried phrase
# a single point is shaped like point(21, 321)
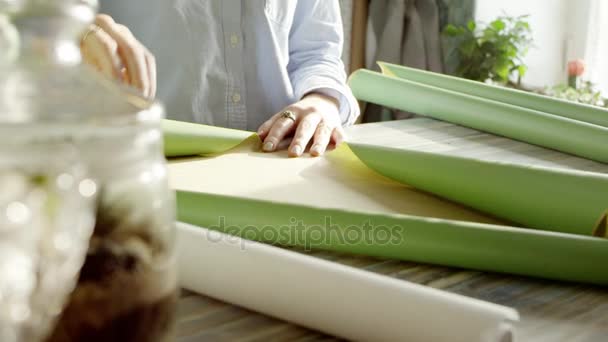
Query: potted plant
point(577, 89)
point(493, 52)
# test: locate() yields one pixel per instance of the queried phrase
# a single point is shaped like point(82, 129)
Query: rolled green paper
point(561, 200)
point(550, 105)
point(188, 139)
point(566, 201)
point(450, 243)
point(562, 134)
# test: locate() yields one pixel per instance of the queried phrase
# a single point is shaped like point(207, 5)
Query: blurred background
point(552, 47)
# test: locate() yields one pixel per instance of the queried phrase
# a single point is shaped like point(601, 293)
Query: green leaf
point(471, 26)
point(468, 48)
point(522, 70)
point(498, 25)
point(452, 31)
point(511, 52)
point(522, 25)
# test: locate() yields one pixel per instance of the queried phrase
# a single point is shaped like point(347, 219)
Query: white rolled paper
point(329, 297)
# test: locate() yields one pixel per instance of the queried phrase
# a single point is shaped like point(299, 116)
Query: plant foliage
point(585, 93)
point(494, 52)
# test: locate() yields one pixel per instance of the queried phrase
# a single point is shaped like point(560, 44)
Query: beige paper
point(338, 180)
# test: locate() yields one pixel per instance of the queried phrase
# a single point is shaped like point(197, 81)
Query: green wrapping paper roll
point(450, 243)
point(187, 139)
point(549, 105)
point(563, 134)
point(559, 200)
point(547, 199)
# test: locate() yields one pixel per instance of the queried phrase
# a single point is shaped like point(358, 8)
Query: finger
point(130, 51)
point(151, 66)
point(99, 50)
point(133, 54)
point(279, 130)
point(266, 126)
point(89, 58)
point(321, 140)
point(284, 144)
point(304, 132)
point(124, 75)
point(338, 136)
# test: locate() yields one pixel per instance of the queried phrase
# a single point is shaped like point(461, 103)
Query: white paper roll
point(329, 297)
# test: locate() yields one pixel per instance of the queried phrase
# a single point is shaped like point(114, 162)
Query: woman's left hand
point(315, 118)
point(115, 52)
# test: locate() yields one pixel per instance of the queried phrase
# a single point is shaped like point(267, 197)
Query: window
point(596, 50)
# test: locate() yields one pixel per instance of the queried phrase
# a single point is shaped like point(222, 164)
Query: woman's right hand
point(113, 50)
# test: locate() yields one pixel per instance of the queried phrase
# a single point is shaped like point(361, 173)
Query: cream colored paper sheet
point(332, 298)
point(339, 181)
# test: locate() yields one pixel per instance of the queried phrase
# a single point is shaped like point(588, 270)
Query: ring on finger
point(290, 115)
point(94, 29)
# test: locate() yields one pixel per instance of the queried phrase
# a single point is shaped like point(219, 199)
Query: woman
point(234, 63)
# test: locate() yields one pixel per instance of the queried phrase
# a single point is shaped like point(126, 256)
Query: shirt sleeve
point(315, 51)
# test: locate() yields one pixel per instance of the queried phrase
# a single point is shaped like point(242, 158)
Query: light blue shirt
point(235, 63)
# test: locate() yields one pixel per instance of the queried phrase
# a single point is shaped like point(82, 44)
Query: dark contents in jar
point(121, 294)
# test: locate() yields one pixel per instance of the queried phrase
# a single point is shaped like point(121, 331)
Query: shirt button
point(234, 40)
point(236, 98)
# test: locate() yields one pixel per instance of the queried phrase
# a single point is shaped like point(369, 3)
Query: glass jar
point(127, 287)
point(47, 212)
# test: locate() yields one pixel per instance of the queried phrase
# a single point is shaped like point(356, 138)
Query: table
point(550, 311)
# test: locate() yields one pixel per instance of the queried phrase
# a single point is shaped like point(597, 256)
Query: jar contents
point(46, 222)
point(127, 289)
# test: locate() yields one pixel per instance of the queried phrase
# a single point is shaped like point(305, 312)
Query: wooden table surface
point(550, 310)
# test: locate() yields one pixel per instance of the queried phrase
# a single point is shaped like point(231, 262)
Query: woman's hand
point(116, 53)
point(316, 119)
